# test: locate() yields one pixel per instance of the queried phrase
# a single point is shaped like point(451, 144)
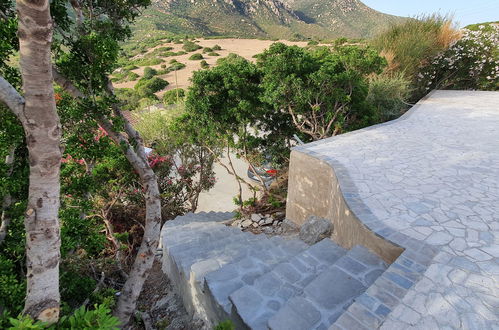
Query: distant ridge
point(289, 19)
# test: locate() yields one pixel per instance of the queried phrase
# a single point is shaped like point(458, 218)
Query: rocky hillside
point(291, 19)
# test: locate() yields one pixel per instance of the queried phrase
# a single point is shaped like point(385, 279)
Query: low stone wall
point(314, 190)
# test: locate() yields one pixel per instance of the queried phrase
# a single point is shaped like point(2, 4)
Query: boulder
point(315, 229)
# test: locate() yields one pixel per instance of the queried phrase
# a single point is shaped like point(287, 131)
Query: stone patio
point(431, 176)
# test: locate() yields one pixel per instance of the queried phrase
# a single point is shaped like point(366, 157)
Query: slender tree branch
point(11, 98)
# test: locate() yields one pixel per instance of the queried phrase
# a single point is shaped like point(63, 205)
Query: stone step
point(255, 303)
point(194, 248)
point(326, 297)
point(221, 283)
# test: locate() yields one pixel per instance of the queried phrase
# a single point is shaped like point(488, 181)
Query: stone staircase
point(262, 282)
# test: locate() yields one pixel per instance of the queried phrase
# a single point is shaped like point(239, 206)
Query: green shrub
point(190, 46)
point(146, 87)
point(213, 54)
point(225, 325)
point(204, 64)
point(313, 43)
point(149, 73)
point(173, 96)
point(176, 66)
point(196, 57)
point(388, 95)
point(207, 50)
point(409, 45)
point(124, 76)
point(217, 47)
point(98, 318)
point(130, 67)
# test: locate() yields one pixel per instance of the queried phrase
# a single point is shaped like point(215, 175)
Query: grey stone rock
point(269, 220)
point(255, 224)
point(256, 217)
point(246, 223)
point(315, 229)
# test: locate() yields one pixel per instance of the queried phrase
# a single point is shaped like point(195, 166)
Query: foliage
point(149, 73)
point(388, 95)
point(415, 42)
point(196, 57)
point(173, 96)
point(190, 46)
point(98, 318)
point(185, 168)
point(316, 93)
point(470, 63)
point(204, 64)
point(132, 99)
point(147, 87)
point(216, 47)
point(124, 76)
point(225, 325)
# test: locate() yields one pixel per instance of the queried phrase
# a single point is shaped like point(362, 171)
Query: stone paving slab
point(326, 297)
point(429, 182)
point(285, 280)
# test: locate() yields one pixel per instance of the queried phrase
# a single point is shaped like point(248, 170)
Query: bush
point(217, 47)
point(388, 95)
point(190, 46)
point(313, 43)
point(176, 66)
point(213, 54)
point(204, 64)
point(470, 63)
point(173, 96)
point(207, 50)
point(149, 73)
point(196, 57)
point(146, 87)
point(124, 76)
point(98, 318)
point(413, 43)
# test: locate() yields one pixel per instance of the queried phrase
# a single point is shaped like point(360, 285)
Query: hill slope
point(297, 19)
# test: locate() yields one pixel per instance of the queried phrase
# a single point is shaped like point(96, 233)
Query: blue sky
point(465, 11)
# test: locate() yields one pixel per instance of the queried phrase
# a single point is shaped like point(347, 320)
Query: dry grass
point(411, 44)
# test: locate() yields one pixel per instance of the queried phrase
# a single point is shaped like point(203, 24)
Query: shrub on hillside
point(146, 87)
point(173, 96)
point(413, 43)
point(207, 50)
point(470, 63)
point(190, 46)
point(149, 73)
point(204, 64)
point(216, 47)
point(196, 57)
point(213, 54)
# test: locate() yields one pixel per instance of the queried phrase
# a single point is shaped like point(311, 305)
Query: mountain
point(349, 18)
point(290, 19)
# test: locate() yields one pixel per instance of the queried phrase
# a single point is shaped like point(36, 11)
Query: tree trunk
point(136, 156)
point(43, 134)
point(130, 292)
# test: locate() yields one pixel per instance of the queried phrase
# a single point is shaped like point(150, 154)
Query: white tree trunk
point(43, 134)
